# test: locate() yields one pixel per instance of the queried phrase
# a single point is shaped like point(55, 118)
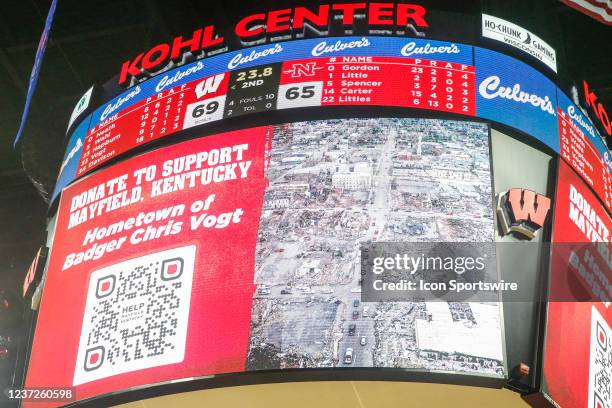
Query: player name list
point(395, 81)
point(578, 151)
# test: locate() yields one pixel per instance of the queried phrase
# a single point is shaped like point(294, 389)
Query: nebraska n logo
point(522, 211)
point(298, 70)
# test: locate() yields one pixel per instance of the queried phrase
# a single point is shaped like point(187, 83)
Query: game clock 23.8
point(252, 90)
point(254, 73)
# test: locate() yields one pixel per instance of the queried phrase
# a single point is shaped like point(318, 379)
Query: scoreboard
point(451, 78)
point(430, 83)
point(365, 80)
point(579, 148)
point(582, 156)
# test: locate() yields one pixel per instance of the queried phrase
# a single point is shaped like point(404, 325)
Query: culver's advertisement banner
point(514, 94)
point(241, 251)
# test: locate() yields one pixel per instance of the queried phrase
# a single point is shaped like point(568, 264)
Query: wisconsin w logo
point(522, 211)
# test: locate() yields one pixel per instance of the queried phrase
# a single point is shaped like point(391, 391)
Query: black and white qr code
point(136, 315)
point(600, 369)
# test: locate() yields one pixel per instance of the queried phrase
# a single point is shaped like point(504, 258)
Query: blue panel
point(511, 92)
point(70, 162)
point(40, 53)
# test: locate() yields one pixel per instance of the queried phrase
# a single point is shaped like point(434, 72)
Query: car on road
point(285, 291)
point(306, 290)
point(356, 303)
point(363, 341)
point(355, 314)
point(348, 356)
point(351, 329)
point(365, 311)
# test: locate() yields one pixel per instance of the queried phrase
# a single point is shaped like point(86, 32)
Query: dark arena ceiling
point(91, 39)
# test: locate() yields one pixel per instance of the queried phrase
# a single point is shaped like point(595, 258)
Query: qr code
point(600, 368)
point(136, 315)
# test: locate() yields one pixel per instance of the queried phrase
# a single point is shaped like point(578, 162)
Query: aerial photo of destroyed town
point(337, 184)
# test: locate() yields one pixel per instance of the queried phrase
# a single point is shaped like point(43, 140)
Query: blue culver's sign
point(511, 92)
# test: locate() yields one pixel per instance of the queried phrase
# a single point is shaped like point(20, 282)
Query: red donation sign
point(578, 345)
point(150, 231)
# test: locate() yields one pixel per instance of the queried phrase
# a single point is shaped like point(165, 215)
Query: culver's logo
point(411, 49)
point(578, 118)
point(110, 108)
point(324, 48)
point(490, 88)
point(168, 80)
point(240, 59)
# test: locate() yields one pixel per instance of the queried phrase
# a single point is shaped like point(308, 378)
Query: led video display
point(240, 252)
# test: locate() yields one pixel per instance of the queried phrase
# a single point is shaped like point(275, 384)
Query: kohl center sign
point(275, 25)
point(516, 36)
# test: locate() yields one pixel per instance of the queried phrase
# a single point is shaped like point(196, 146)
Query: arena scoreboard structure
point(209, 218)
